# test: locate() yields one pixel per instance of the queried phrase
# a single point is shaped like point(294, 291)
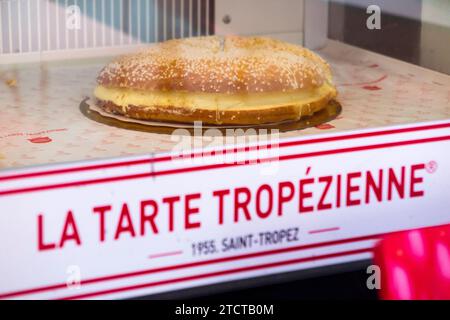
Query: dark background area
point(346, 285)
point(345, 281)
point(399, 36)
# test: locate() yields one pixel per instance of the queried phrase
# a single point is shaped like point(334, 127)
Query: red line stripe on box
point(86, 168)
point(192, 264)
point(231, 150)
point(323, 230)
point(222, 165)
point(219, 273)
point(165, 254)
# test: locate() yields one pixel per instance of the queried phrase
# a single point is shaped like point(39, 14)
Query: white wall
point(435, 37)
point(281, 19)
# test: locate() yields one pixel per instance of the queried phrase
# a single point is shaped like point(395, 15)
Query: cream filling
point(211, 101)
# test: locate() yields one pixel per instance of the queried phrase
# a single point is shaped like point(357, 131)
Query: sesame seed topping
point(246, 64)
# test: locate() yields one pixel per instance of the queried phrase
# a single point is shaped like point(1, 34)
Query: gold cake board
point(329, 113)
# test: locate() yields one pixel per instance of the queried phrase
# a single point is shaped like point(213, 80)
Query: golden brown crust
point(225, 117)
point(214, 64)
point(229, 65)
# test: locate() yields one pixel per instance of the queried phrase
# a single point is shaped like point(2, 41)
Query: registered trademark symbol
point(431, 166)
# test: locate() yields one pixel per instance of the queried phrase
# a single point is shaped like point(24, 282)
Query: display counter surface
point(41, 121)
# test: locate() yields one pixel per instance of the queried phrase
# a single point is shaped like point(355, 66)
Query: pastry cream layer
point(211, 101)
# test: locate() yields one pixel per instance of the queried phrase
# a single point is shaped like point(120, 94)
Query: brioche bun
point(217, 80)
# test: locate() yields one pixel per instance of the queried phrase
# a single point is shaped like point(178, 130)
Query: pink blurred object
point(415, 264)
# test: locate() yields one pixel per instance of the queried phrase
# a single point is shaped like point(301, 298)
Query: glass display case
point(99, 205)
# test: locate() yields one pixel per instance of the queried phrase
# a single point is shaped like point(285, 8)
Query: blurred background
point(413, 30)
